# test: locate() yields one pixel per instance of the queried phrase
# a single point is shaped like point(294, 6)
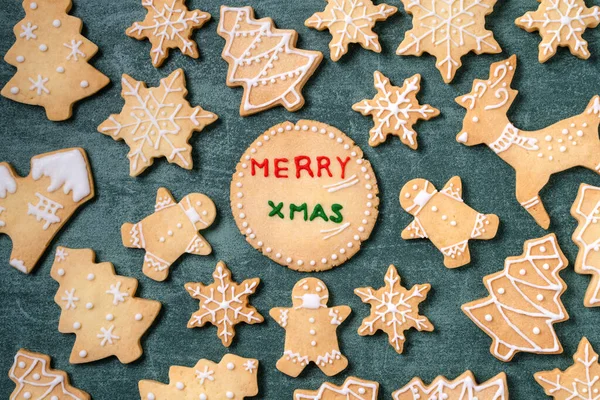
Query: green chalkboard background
point(559, 89)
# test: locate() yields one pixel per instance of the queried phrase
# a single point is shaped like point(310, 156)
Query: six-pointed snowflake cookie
point(353, 388)
point(395, 110)
point(394, 309)
point(224, 303)
point(350, 21)
point(232, 378)
point(168, 25)
point(445, 219)
point(448, 29)
point(100, 308)
point(561, 23)
point(156, 122)
point(171, 231)
point(34, 208)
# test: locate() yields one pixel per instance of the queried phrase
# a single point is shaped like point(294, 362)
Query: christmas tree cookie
point(464, 387)
point(353, 388)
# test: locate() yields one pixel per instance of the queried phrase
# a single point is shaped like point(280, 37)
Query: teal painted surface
point(559, 89)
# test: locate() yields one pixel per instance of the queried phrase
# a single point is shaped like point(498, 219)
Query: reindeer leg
point(528, 189)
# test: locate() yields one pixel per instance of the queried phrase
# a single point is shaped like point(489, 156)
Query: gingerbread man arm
point(199, 246)
point(453, 188)
point(280, 315)
point(164, 198)
point(341, 312)
point(414, 231)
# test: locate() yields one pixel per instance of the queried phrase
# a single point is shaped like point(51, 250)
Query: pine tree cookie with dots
point(156, 122)
point(524, 301)
point(51, 57)
point(311, 330)
point(100, 308)
point(224, 303)
point(535, 155)
point(170, 231)
point(353, 388)
point(168, 25)
point(445, 219)
point(448, 30)
point(350, 21)
point(233, 378)
point(34, 208)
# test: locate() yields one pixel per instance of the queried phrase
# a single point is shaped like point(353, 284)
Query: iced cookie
point(232, 378)
point(350, 21)
point(445, 219)
point(304, 196)
point(99, 307)
point(353, 388)
point(311, 330)
point(524, 301)
point(34, 208)
point(224, 303)
point(264, 61)
point(170, 231)
point(535, 155)
point(168, 25)
point(156, 122)
point(586, 210)
point(51, 57)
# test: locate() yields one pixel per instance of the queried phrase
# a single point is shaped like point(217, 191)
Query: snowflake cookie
point(264, 61)
point(99, 307)
point(168, 25)
point(445, 219)
point(51, 57)
point(33, 209)
point(170, 231)
point(448, 29)
point(535, 155)
point(232, 378)
point(224, 303)
point(395, 110)
point(524, 301)
point(561, 23)
point(394, 309)
point(350, 21)
point(156, 122)
point(353, 388)
point(463, 387)
point(586, 210)
point(35, 379)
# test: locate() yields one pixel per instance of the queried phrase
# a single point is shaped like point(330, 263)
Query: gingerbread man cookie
point(311, 330)
point(353, 388)
point(170, 231)
point(445, 219)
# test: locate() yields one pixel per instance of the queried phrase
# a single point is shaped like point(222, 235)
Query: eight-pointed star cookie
point(224, 303)
point(350, 21)
point(394, 309)
point(168, 25)
point(156, 122)
point(395, 110)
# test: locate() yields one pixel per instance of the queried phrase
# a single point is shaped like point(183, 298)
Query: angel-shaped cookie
point(171, 231)
point(445, 219)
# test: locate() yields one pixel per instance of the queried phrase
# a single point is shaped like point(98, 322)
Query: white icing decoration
point(70, 299)
point(509, 136)
point(250, 366)
point(45, 210)
point(27, 31)
point(118, 296)
point(20, 59)
point(75, 52)
point(311, 301)
point(334, 231)
point(84, 84)
point(56, 23)
point(43, 47)
point(495, 388)
point(334, 187)
point(60, 69)
point(107, 336)
point(7, 182)
point(204, 375)
point(67, 169)
point(39, 85)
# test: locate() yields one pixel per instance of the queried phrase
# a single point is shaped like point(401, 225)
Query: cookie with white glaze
point(354, 388)
point(464, 387)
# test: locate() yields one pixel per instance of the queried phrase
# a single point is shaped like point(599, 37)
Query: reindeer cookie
point(445, 219)
point(171, 231)
point(535, 155)
point(311, 330)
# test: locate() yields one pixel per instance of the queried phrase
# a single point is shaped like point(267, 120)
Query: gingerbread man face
point(310, 294)
point(199, 210)
point(415, 194)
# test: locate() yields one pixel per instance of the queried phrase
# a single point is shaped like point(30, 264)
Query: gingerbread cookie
point(353, 388)
point(445, 219)
point(561, 23)
point(264, 61)
point(448, 30)
point(170, 231)
point(304, 196)
point(524, 301)
point(156, 122)
point(535, 155)
point(35, 379)
point(350, 21)
point(586, 210)
point(464, 387)
point(33, 209)
point(168, 25)
point(51, 57)
point(233, 378)
point(224, 303)
point(99, 307)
